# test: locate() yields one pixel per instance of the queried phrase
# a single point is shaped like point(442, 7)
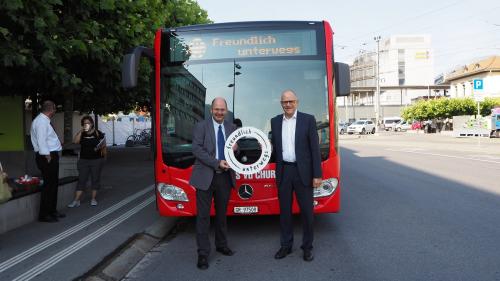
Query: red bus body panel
point(265, 195)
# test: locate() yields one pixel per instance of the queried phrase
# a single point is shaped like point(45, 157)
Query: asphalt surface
point(414, 207)
point(70, 248)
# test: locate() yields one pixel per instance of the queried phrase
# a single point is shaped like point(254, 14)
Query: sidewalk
point(127, 172)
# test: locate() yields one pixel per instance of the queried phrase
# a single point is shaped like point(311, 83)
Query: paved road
point(71, 247)
point(414, 207)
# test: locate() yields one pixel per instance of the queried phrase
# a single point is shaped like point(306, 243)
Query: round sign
point(248, 132)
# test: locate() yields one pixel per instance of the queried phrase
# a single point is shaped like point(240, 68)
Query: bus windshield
point(252, 87)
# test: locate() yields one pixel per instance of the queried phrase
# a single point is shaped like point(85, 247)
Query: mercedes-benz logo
point(245, 191)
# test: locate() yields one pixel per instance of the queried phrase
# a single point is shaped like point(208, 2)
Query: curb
point(123, 260)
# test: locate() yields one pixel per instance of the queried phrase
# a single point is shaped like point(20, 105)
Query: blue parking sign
point(478, 84)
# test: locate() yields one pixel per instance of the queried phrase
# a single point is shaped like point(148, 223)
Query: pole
point(114, 144)
point(234, 84)
point(478, 124)
point(346, 114)
point(377, 81)
point(353, 109)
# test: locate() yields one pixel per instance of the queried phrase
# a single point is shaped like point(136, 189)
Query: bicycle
point(139, 137)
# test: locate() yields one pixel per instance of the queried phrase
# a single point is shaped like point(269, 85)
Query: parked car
point(361, 127)
point(402, 126)
point(417, 125)
point(389, 123)
point(342, 128)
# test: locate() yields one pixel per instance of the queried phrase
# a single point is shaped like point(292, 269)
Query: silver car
point(342, 128)
point(361, 127)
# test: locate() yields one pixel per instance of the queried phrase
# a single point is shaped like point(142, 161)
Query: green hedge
point(446, 108)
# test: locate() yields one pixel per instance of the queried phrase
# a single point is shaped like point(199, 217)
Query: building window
point(401, 66)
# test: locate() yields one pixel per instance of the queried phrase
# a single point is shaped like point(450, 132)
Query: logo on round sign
point(247, 132)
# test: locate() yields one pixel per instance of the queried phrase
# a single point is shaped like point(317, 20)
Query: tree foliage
point(56, 47)
point(446, 108)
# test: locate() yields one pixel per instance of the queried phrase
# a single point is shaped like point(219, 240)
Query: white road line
point(48, 263)
point(49, 242)
point(443, 155)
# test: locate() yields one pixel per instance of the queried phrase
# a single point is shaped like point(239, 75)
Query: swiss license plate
point(246, 210)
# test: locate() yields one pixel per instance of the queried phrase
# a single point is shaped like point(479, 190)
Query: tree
point(71, 50)
point(446, 108)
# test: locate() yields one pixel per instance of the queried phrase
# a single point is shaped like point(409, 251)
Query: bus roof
point(259, 24)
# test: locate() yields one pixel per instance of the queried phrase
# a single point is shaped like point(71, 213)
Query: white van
point(389, 123)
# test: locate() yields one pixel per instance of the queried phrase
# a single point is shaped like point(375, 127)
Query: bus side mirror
point(342, 79)
point(130, 66)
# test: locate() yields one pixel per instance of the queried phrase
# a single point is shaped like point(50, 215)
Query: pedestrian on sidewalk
point(92, 145)
point(47, 147)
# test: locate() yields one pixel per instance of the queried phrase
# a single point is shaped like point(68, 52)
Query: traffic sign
point(478, 85)
point(478, 90)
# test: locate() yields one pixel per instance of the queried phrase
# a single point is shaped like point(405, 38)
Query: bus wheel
point(373, 131)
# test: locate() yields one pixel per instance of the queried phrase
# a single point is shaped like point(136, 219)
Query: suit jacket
point(204, 150)
point(307, 152)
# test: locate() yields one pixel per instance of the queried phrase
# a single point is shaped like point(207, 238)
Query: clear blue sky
point(461, 30)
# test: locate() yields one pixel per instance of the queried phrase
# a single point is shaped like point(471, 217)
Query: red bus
point(249, 64)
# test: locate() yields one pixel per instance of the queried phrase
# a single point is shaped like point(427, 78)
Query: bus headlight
point(327, 188)
point(172, 192)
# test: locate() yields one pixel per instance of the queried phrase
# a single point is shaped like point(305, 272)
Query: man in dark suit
point(298, 169)
point(212, 178)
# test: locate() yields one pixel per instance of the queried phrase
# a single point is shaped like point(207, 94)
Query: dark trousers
point(291, 183)
point(89, 169)
point(50, 175)
point(219, 189)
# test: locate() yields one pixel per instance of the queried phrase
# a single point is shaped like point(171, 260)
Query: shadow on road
point(396, 223)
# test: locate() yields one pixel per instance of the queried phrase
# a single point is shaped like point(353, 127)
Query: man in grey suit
point(298, 170)
point(212, 178)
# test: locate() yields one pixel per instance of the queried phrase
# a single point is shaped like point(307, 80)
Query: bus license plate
point(246, 210)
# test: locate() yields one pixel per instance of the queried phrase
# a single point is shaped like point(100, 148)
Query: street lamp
point(377, 81)
point(233, 85)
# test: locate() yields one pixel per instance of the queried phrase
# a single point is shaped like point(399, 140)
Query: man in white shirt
point(47, 147)
point(298, 170)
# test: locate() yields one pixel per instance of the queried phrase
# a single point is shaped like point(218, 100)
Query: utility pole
point(346, 114)
point(377, 81)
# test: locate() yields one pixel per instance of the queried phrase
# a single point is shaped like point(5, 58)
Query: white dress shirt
point(43, 136)
point(288, 137)
point(216, 129)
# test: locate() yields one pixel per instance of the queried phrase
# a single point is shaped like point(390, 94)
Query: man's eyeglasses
point(284, 102)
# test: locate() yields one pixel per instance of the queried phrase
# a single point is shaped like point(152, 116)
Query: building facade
point(461, 79)
point(405, 61)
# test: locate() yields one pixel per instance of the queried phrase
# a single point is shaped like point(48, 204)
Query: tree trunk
point(68, 118)
point(96, 121)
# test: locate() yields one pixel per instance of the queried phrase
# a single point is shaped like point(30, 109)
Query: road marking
point(49, 242)
point(417, 151)
point(48, 263)
point(490, 157)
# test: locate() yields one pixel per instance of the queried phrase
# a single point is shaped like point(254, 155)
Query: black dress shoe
point(282, 252)
point(225, 251)
point(202, 262)
point(48, 219)
point(308, 255)
point(58, 215)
